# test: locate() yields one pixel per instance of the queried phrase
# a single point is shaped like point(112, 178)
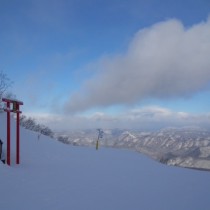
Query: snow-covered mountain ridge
point(186, 147)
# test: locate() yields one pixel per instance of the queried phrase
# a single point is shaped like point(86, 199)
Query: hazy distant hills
point(185, 147)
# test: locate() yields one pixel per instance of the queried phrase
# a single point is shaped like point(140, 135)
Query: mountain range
point(187, 147)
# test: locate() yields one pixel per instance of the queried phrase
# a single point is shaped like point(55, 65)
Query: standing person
point(1, 153)
point(1, 145)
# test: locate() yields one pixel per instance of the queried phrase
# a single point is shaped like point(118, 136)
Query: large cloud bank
point(163, 61)
point(144, 118)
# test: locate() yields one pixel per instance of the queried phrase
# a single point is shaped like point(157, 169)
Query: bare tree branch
point(5, 83)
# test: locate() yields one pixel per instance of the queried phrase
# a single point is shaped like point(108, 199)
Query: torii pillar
point(16, 105)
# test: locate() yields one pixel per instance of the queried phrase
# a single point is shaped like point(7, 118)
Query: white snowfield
point(56, 176)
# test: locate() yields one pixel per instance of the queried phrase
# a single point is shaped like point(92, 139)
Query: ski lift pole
point(97, 144)
point(100, 135)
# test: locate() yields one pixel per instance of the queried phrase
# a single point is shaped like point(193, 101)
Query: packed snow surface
point(57, 176)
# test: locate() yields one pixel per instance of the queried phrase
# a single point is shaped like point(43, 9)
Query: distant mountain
point(186, 147)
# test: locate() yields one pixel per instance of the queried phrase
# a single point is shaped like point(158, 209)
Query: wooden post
point(8, 133)
point(18, 136)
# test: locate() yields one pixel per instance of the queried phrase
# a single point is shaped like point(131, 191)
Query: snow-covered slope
point(56, 176)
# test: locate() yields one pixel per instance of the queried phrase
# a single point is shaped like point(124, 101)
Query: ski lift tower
point(100, 136)
point(15, 109)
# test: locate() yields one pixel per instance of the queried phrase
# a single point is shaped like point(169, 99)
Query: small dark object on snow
point(1, 142)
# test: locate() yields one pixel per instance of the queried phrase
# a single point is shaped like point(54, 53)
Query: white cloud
point(144, 118)
point(164, 60)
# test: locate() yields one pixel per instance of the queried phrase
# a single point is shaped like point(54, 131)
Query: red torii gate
point(16, 105)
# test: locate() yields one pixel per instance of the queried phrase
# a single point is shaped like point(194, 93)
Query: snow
point(56, 176)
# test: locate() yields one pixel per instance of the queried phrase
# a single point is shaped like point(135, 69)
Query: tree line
point(31, 124)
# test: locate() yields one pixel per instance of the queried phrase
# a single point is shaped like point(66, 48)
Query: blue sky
point(82, 59)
